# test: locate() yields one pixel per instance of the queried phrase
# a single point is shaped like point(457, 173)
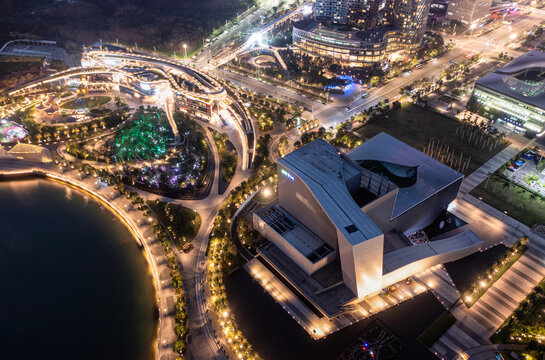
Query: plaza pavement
point(474, 326)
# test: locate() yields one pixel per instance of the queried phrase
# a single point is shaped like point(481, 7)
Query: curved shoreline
point(120, 215)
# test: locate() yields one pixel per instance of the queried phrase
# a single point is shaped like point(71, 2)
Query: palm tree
point(506, 185)
point(487, 179)
point(532, 198)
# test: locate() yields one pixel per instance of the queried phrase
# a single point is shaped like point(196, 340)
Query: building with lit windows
point(514, 94)
point(347, 226)
point(362, 32)
point(468, 12)
point(352, 47)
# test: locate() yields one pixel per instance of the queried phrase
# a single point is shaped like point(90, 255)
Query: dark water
point(73, 282)
point(276, 336)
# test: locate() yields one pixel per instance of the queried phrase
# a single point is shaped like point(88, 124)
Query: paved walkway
point(479, 175)
point(475, 325)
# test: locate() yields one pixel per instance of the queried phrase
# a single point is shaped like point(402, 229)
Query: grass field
point(437, 329)
point(416, 127)
point(519, 203)
point(182, 223)
point(90, 102)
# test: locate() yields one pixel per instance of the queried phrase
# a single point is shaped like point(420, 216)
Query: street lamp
point(472, 27)
point(185, 50)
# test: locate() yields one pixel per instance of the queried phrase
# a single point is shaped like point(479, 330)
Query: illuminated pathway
point(320, 327)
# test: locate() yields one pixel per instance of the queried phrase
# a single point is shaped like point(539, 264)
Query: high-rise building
point(468, 12)
point(410, 17)
point(375, 29)
point(334, 10)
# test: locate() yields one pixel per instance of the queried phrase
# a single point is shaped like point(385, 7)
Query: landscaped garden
point(89, 102)
point(175, 170)
point(39, 132)
point(182, 223)
point(228, 158)
point(511, 198)
point(526, 325)
point(143, 139)
point(475, 286)
point(224, 258)
point(463, 146)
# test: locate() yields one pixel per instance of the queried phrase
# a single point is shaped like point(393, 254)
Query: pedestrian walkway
point(479, 175)
point(439, 281)
point(475, 325)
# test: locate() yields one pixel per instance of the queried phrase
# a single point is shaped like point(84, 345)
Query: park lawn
point(89, 102)
point(514, 199)
point(437, 329)
point(416, 126)
point(182, 223)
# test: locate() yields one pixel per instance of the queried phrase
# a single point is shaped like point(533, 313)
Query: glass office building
point(514, 94)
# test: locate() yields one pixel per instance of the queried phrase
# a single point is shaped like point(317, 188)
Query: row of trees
point(223, 257)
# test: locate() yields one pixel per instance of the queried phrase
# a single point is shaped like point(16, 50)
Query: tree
point(487, 179)
point(532, 198)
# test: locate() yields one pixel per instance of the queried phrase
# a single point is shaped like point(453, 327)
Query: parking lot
point(528, 171)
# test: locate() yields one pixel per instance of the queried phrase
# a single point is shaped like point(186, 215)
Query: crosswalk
point(475, 325)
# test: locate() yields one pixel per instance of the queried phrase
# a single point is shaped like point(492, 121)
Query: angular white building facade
point(342, 208)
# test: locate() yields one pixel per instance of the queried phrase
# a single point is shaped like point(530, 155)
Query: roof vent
point(351, 228)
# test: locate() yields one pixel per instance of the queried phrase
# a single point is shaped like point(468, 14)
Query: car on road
point(529, 155)
point(365, 94)
point(491, 130)
point(347, 108)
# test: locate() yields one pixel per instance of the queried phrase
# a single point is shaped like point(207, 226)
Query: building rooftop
point(402, 161)
point(295, 233)
point(375, 35)
point(321, 167)
point(522, 79)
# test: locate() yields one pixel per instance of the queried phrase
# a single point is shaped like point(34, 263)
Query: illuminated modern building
point(336, 10)
point(468, 12)
point(350, 218)
point(410, 17)
point(146, 76)
point(362, 32)
point(514, 94)
point(353, 47)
